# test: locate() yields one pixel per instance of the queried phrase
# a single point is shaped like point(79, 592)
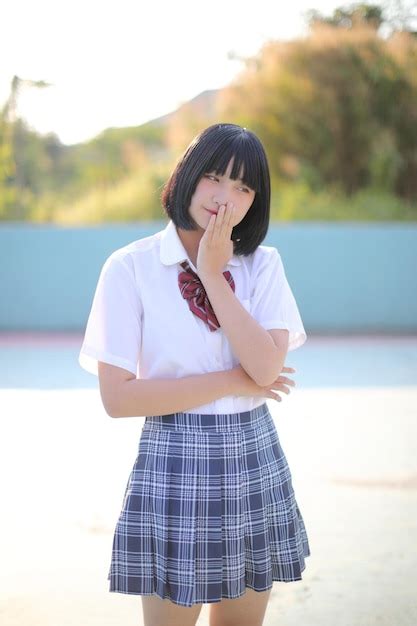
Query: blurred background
point(98, 105)
point(97, 102)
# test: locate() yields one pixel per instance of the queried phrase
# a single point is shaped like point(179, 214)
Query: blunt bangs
point(243, 161)
point(211, 151)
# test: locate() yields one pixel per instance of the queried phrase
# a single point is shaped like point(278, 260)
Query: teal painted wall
point(346, 277)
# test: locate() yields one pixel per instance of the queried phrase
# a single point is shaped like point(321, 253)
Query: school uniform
point(209, 507)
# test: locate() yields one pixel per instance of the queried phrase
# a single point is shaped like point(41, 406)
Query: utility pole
point(12, 134)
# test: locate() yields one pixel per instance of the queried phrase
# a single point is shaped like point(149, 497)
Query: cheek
point(240, 214)
point(199, 193)
point(243, 208)
point(245, 205)
point(203, 186)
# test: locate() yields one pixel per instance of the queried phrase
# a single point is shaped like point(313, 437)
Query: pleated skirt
point(208, 511)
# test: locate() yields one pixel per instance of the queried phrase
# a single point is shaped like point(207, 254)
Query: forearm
point(251, 344)
point(143, 397)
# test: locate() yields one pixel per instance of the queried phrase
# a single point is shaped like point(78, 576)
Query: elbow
point(265, 381)
point(115, 406)
point(110, 411)
point(109, 405)
point(112, 381)
point(269, 375)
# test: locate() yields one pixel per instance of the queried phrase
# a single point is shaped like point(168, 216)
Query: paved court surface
point(64, 465)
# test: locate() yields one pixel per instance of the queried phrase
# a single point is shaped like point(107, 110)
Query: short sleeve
point(113, 331)
point(272, 302)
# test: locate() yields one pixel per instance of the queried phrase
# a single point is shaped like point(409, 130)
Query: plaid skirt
point(209, 510)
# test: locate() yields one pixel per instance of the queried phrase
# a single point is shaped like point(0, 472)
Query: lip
point(212, 212)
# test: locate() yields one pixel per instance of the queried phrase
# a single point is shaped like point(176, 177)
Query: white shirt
point(140, 321)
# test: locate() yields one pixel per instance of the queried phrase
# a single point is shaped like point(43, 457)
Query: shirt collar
point(172, 250)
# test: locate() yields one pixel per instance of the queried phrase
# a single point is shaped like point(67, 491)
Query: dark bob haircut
point(211, 150)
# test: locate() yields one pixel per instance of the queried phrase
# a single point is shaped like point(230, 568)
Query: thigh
point(158, 612)
point(248, 610)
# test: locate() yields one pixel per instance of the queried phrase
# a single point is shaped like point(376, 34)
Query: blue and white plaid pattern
point(209, 509)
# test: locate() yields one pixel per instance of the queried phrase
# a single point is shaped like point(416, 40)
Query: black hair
point(211, 151)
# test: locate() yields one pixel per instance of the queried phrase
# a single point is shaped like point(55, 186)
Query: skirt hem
point(206, 601)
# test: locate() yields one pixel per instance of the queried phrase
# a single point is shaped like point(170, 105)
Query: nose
point(222, 193)
point(220, 200)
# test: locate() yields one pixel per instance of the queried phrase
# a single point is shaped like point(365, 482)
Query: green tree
point(349, 17)
point(13, 147)
point(320, 105)
point(7, 170)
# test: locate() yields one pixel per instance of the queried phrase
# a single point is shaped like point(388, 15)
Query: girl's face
point(214, 190)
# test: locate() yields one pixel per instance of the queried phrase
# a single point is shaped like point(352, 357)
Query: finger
point(231, 223)
point(287, 381)
point(210, 227)
point(225, 222)
point(281, 387)
point(274, 396)
point(219, 221)
point(230, 211)
point(223, 217)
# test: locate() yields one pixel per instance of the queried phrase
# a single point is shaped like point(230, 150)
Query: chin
point(199, 226)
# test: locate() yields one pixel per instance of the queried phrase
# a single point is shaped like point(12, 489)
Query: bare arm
point(125, 396)
point(252, 345)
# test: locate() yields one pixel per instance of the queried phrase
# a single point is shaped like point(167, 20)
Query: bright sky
point(123, 63)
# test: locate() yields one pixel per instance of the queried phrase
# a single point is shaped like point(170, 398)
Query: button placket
point(215, 346)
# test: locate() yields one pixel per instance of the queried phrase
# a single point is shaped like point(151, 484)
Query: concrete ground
point(352, 452)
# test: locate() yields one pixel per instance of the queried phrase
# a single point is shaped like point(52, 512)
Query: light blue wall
point(346, 277)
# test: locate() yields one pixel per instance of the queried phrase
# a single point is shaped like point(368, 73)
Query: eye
point(211, 176)
point(246, 189)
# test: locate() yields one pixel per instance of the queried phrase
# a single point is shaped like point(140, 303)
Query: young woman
point(190, 328)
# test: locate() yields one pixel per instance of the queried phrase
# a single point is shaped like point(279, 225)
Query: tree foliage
point(338, 107)
point(336, 111)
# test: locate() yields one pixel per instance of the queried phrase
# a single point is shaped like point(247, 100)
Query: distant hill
point(204, 103)
point(47, 166)
point(111, 144)
point(153, 130)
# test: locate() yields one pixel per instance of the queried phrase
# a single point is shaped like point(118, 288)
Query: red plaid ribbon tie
point(193, 291)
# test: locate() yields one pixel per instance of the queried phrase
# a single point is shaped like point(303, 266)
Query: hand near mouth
point(216, 246)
